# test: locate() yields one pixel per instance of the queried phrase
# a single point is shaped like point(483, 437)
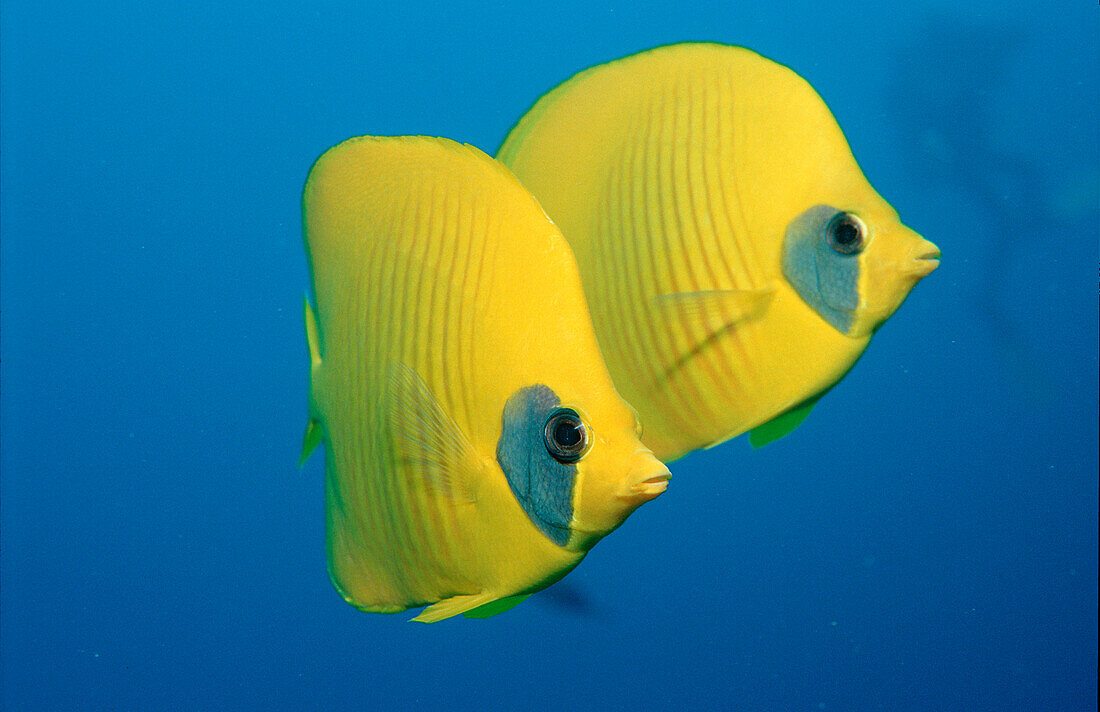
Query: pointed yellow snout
point(603, 504)
point(646, 480)
point(891, 267)
point(923, 259)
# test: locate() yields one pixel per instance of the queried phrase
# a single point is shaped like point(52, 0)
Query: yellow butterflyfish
point(475, 447)
point(735, 259)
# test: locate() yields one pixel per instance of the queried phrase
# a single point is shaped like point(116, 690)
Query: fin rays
point(711, 313)
point(428, 438)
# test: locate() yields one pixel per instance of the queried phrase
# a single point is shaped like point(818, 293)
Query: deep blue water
point(927, 540)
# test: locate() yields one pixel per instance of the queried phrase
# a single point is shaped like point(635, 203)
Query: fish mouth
point(647, 479)
point(649, 489)
point(926, 263)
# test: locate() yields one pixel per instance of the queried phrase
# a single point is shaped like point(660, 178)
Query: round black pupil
point(566, 433)
point(846, 232)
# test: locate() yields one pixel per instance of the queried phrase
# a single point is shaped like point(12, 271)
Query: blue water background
point(926, 541)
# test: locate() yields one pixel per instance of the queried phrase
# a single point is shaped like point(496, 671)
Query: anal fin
point(310, 440)
point(783, 423)
point(497, 607)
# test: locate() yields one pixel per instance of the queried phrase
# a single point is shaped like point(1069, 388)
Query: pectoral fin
point(452, 607)
point(708, 315)
point(428, 440)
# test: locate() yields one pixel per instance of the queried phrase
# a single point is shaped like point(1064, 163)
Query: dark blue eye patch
point(542, 485)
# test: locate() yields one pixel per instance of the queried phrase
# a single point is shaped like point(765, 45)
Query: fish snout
point(647, 479)
point(602, 508)
point(923, 259)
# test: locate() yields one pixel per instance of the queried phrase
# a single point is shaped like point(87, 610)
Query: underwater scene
point(708, 356)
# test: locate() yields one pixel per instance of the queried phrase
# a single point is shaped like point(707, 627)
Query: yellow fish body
point(735, 259)
point(475, 448)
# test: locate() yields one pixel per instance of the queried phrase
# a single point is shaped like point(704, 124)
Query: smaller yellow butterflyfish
point(475, 447)
point(735, 259)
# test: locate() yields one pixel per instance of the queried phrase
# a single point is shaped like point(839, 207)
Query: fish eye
point(565, 435)
point(846, 234)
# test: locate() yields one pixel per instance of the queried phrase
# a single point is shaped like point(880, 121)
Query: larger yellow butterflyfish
point(475, 448)
point(735, 259)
